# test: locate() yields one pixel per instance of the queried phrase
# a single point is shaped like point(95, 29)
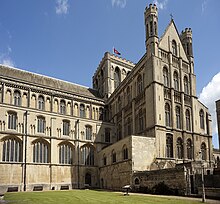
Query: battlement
point(186, 33)
point(151, 9)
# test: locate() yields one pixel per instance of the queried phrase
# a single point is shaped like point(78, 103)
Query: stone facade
point(137, 117)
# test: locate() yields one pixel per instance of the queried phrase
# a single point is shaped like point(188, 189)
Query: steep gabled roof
point(171, 33)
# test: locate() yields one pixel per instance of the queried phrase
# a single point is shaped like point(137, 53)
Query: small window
point(176, 81)
point(88, 132)
point(167, 115)
point(136, 181)
point(17, 98)
point(189, 148)
point(174, 48)
point(186, 85)
point(107, 135)
point(169, 145)
point(201, 116)
point(41, 104)
point(12, 120)
point(188, 123)
point(104, 160)
point(139, 84)
point(178, 118)
point(82, 111)
point(179, 145)
point(62, 107)
point(66, 127)
point(41, 123)
point(87, 152)
point(125, 153)
point(203, 151)
point(113, 156)
point(165, 77)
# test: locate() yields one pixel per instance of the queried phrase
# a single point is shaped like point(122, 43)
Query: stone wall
point(174, 178)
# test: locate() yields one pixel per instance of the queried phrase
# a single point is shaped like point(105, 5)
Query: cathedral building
point(137, 117)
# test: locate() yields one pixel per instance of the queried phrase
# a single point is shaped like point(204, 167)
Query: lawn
point(86, 196)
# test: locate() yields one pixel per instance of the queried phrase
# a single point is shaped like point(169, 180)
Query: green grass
point(85, 197)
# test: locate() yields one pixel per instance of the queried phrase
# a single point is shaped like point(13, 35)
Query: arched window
point(201, 116)
point(186, 85)
point(119, 131)
point(189, 148)
point(12, 150)
point(165, 77)
point(117, 78)
point(107, 135)
point(17, 98)
point(147, 31)
point(41, 104)
point(167, 115)
point(155, 28)
point(188, 123)
point(62, 107)
point(129, 125)
point(12, 120)
point(65, 153)
point(174, 48)
point(104, 160)
point(66, 127)
point(41, 124)
point(136, 181)
point(125, 152)
point(128, 94)
point(87, 152)
point(176, 81)
point(88, 132)
point(141, 120)
point(139, 84)
point(82, 111)
point(100, 113)
point(114, 156)
point(203, 151)
point(119, 103)
point(178, 118)
point(169, 145)
point(40, 152)
point(179, 145)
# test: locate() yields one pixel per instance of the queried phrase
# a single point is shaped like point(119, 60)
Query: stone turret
point(151, 25)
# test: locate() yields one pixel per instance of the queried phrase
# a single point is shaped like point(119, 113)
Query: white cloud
point(8, 62)
point(161, 5)
point(208, 96)
point(204, 5)
point(62, 6)
point(119, 3)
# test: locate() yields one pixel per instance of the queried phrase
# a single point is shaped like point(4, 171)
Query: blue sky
point(66, 39)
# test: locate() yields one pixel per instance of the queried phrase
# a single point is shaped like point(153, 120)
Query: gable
point(171, 34)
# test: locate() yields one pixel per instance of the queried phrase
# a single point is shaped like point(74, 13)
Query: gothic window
point(141, 120)
point(104, 160)
point(176, 81)
point(189, 148)
point(66, 127)
point(174, 48)
point(139, 84)
point(201, 116)
point(186, 85)
point(151, 28)
point(167, 115)
point(119, 103)
point(87, 155)
point(117, 78)
point(12, 150)
point(179, 146)
point(12, 120)
point(165, 77)
point(136, 181)
point(107, 135)
point(147, 31)
point(41, 123)
point(40, 152)
point(65, 153)
point(62, 107)
point(119, 131)
point(88, 132)
point(41, 103)
point(82, 111)
point(128, 95)
point(188, 123)
point(169, 145)
point(129, 125)
point(100, 113)
point(155, 28)
point(17, 98)
point(113, 156)
point(203, 151)
point(125, 152)
point(178, 118)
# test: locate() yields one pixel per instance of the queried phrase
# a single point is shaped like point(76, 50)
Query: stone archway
point(88, 179)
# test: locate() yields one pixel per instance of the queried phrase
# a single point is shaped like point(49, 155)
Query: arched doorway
point(88, 180)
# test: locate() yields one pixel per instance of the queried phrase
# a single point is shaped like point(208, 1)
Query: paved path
point(211, 201)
